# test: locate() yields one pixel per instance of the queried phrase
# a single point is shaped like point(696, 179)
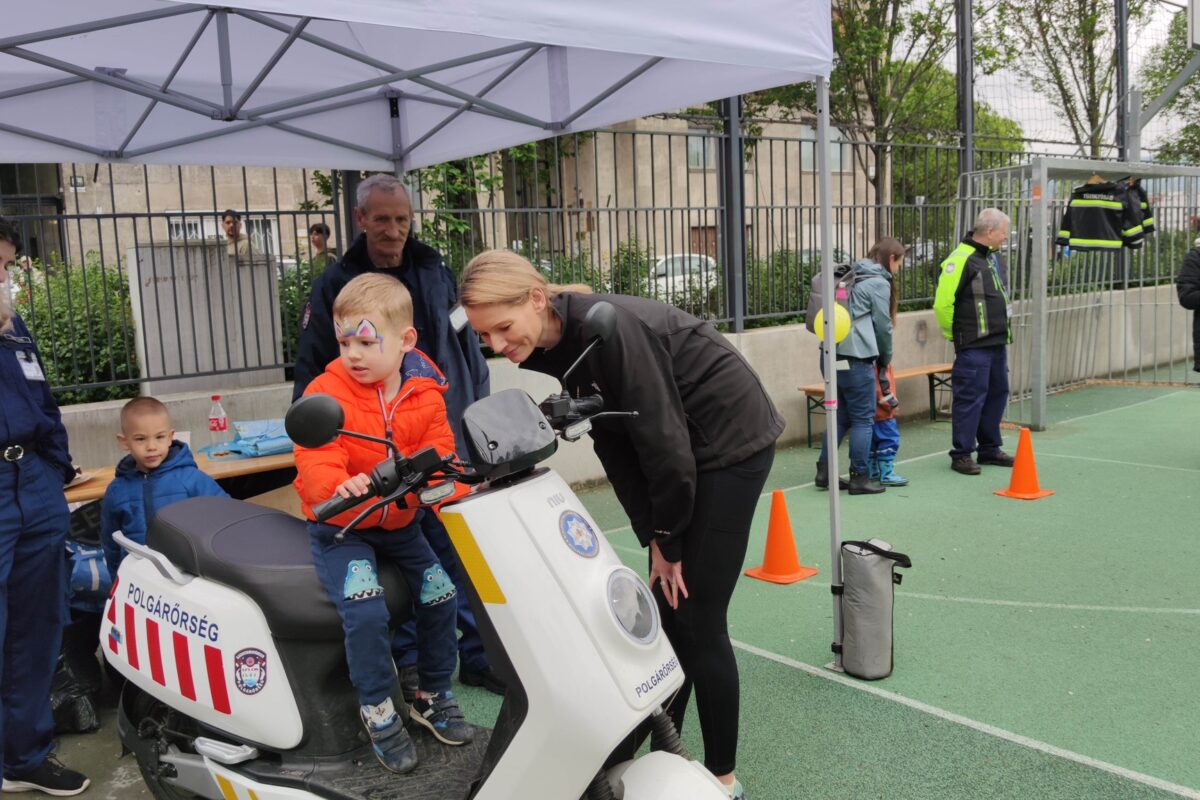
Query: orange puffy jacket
point(416, 417)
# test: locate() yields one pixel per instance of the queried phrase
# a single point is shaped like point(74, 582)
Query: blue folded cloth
point(258, 437)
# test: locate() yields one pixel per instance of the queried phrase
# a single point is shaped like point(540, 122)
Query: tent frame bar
point(333, 47)
point(464, 107)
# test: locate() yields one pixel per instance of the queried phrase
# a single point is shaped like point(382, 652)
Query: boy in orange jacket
point(387, 389)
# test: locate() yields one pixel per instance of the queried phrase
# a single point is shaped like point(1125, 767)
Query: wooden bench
point(937, 374)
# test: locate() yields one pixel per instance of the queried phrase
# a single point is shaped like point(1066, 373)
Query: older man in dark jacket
point(1188, 286)
point(384, 214)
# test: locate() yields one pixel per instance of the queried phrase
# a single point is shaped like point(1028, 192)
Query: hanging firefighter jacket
point(1102, 216)
point(1144, 203)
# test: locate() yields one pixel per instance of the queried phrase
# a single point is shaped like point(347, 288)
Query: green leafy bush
point(81, 319)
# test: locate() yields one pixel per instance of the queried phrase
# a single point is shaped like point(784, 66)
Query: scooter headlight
point(632, 606)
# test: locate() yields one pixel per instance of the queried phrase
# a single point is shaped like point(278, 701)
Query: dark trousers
point(979, 385)
point(855, 411)
point(714, 547)
point(33, 606)
point(348, 571)
point(470, 645)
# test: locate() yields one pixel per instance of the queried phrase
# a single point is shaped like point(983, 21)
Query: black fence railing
point(133, 280)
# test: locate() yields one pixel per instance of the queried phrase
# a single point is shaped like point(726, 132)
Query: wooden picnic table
point(220, 470)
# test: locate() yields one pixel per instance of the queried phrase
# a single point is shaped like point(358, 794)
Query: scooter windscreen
point(507, 433)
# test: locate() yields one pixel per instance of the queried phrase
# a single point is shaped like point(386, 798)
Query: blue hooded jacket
point(134, 497)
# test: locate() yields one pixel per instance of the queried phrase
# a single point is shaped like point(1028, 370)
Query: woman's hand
point(670, 573)
point(357, 486)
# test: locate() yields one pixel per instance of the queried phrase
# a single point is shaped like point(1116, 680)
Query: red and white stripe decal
point(179, 651)
point(131, 653)
point(216, 679)
point(156, 665)
point(183, 666)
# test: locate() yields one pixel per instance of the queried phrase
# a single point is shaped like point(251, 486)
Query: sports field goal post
point(1081, 317)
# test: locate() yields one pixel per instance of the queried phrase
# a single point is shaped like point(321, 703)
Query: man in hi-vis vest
point(974, 312)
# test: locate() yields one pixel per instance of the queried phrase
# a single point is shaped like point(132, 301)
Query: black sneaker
point(50, 777)
point(441, 715)
point(965, 465)
point(997, 459)
point(485, 677)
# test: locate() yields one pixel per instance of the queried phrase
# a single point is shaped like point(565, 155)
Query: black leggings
point(714, 547)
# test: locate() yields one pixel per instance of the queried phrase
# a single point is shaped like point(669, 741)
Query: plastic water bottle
point(218, 422)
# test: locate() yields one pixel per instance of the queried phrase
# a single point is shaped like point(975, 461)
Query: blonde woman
point(688, 469)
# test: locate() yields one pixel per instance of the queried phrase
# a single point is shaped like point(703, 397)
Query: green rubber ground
point(1044, 650)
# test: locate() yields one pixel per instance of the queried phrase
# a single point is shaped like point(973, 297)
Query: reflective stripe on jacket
point(971, 303)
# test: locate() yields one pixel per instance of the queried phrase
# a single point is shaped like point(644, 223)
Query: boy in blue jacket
point(157, 472)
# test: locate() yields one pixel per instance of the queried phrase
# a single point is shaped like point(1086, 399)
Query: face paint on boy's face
point(365, 329)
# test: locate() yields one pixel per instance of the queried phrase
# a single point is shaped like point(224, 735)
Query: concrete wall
point(784, 357)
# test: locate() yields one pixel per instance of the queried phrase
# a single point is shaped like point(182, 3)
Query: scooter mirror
point(599, 322)
point(314, 420)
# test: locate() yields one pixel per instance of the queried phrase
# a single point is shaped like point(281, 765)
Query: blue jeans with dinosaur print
point(347, 570)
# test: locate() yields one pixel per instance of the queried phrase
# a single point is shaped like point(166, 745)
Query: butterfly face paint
point(365, 329)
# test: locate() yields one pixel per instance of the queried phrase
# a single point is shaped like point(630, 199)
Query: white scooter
point(238, 686)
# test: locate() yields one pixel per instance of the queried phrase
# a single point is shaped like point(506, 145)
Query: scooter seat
point(266, 554)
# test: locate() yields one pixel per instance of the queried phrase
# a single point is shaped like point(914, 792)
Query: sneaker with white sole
point(393, 746)
point(441, 715)
point(50, 777)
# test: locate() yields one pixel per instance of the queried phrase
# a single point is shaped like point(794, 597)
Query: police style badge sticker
point(578, 535)
point(250, 670)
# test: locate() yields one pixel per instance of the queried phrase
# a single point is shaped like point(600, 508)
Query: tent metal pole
point(98, 25)
point(600, 98)
point(41, 87)
point(830, 361)
point(393, 76)
point(464, 107)
point(393, 99)
point(284, 46)
point(114, 81)
point(508, 113)
point(225, 62)
point(183, 57)
point(276, 122)
point(42, 137)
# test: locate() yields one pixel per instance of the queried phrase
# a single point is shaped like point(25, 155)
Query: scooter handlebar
point(338, 505)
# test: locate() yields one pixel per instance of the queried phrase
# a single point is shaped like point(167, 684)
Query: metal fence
point(130, 281)
point(1088, 316)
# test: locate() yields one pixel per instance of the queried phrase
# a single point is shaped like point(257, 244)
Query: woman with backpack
point(869, 344)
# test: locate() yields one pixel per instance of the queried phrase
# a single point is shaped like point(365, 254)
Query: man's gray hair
point(388, 184)
point(990, 219)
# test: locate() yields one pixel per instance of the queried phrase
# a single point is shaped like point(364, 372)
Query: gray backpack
point(867, 597)
point(845, 278)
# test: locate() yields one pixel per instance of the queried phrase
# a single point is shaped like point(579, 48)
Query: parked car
point(681, 275)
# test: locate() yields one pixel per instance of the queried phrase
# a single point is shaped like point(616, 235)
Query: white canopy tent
point(373, 84)
point(391, 84)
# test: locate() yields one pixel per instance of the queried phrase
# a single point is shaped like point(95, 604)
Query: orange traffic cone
point(780, 563)
point(1024, 483)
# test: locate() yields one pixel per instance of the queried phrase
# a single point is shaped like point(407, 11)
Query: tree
point(1065, 49)
point(886, 52)
point(1163, 63)
point(936, 179)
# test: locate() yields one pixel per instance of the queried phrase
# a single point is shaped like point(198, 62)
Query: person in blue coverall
point(34, 467)
point(384, 214)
